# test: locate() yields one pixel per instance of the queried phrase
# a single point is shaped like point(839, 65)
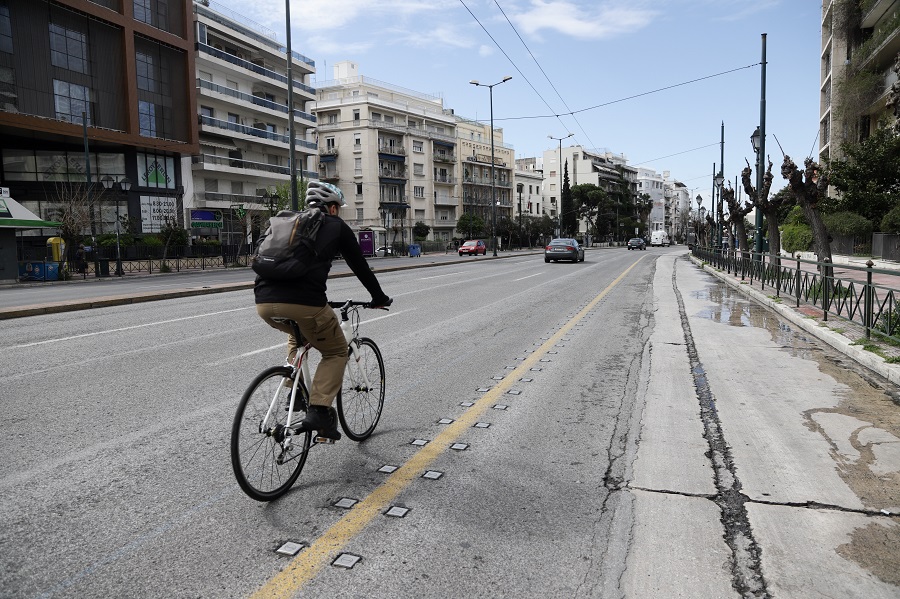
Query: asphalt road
point(661, 437)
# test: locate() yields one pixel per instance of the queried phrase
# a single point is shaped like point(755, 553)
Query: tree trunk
point(808, 186)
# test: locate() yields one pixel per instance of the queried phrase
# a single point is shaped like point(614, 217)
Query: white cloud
point(585, 21)
point(484, 50)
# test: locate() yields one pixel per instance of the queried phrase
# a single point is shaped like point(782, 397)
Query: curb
point(814, 327)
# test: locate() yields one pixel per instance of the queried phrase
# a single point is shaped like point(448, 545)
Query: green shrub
point(891, 221)
point(795, 217)
point(152, 240)
point(848, 224)
point(796, 238)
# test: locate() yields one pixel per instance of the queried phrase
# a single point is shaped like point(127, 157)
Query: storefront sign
point(156, 211)
point(206, 219)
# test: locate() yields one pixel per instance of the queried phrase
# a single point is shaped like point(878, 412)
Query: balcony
point(329, 175)
point(207, 121)
point(446, 201)
point(227, 91)
point(392, 173)
point(389, 149)
point(328, 151)
point(444, 157)
point(246, 64)
point(445, 179)
point(206, 160)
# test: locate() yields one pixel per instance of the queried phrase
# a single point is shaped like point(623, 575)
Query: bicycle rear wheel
point(264, 468)
point(361, 397)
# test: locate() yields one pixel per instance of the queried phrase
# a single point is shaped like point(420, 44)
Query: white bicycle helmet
point(319, 193)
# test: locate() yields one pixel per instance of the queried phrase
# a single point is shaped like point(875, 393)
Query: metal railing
point(254, 131)
point(240, 62)
point(221, 89)
point(852, 296)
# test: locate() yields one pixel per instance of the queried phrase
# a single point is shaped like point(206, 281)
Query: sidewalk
point(843, 335)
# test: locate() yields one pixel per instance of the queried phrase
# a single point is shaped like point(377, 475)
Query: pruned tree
point(736, 214)
point(768, 206)
point(809, 186)
point(568, 214)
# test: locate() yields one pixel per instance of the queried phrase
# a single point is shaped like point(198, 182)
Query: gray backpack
point(288, 248)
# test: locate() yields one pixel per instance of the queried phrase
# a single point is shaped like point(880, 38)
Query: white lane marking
point(529, 276)
point(281, 345)
point(137, 326)
point(456, 272)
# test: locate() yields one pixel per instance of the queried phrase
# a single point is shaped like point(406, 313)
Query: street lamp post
point(493, 180)
point(559, 166)
point(125, 185)
point(720, 178)
point(519, 188)
point(757, 242)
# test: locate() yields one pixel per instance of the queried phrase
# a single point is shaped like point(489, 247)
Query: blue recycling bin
point(415, 250)
point(39, 271)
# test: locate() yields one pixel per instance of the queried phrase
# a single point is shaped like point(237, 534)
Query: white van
point(660, 238)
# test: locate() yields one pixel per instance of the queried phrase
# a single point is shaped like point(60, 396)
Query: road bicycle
point(268, 448)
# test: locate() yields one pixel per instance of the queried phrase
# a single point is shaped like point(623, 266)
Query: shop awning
point(14, 215)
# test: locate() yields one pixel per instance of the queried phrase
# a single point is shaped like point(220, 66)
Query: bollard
point(867, 315)
point(825, 285)
point(798, 279)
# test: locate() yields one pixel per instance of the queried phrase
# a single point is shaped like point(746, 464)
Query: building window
point(207, 112)
point(329, 143)
point(231, 84)
point(68, 49)
point(142, 11)
point(145, 73)
point(418, 169)
point(206, 76)
point(359, 214)
point(419, 191)
point(70, 101)
point(356, 115)
point(233, 118)
point(237, 188)
point(418, 146)
point(357, 166)
point(357, 140)
point(147, 118)
point(6, 44)
point(376, 116)
point(359, 189)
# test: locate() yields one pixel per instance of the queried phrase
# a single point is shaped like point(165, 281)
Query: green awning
point(26, 224)
point(14, 215)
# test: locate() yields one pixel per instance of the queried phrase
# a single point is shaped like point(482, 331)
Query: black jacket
point(334, 237)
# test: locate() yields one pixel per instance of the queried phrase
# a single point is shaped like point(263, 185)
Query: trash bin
point(102, 267)
point(415, 250)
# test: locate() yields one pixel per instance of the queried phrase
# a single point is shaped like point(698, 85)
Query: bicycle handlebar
point(350, 303)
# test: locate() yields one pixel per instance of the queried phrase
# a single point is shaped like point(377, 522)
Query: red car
point(473, 248)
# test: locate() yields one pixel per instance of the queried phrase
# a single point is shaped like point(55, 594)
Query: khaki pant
point(321, 329)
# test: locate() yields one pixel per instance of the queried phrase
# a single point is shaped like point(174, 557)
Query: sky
point(652, 80)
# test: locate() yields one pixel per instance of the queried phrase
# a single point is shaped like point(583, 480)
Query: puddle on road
point(863, 430)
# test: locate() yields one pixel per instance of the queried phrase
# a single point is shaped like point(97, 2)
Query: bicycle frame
point(301, 364)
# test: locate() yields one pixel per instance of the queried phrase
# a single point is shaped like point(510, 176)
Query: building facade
point(93, 94)
point(860, 44)
point(392, 151)
point(479, 196)
point(244, 128)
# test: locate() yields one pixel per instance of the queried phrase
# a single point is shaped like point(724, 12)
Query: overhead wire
point(530, 53)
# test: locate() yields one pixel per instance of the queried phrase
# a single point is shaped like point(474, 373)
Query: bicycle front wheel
point(361, 397)
point(266, 456)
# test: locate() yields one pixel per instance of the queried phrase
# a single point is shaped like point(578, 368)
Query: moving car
point(564, 249)
point(637, 243)
point(473, 248)
point(385, 250)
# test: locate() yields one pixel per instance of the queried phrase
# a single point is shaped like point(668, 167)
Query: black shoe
point(322, 419)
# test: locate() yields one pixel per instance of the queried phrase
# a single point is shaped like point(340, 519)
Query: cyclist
point(304, 301)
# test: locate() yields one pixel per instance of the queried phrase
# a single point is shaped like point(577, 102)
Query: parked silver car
point(564, 249)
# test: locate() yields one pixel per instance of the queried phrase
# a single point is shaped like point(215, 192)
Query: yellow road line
point(308, 563)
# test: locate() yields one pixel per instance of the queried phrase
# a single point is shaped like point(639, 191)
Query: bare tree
point(736, 214)
point(768, 207)
point(808, 187)
point(73, 209)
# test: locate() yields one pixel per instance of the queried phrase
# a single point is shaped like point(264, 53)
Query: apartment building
point(94, 92)
point(393, 152)
point(606, 170)
point(860, 43)
point(529, 181)
point(244, 127)
point(479, 196)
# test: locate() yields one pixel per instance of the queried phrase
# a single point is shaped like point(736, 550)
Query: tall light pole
point(760, 147)
point(292, 151)
point(720, 179)
point(493, 180)
point(559, 164)
point(519, 188)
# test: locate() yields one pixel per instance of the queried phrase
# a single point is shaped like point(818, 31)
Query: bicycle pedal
point(325, 440)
